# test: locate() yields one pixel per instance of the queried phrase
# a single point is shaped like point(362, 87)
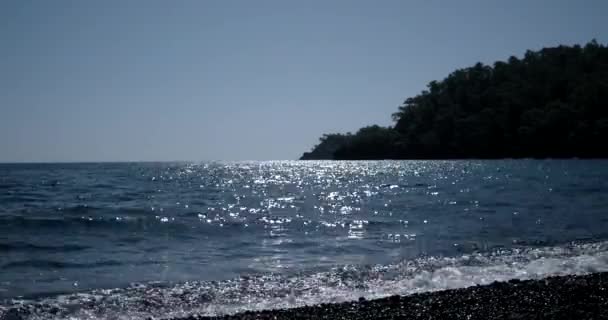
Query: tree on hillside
point(550, 103)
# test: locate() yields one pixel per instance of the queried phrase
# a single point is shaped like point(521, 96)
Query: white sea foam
point(141, 301)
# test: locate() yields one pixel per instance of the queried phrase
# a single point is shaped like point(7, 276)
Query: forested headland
point(551, 103)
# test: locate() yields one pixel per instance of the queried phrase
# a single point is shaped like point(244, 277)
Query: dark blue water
point(133, 240)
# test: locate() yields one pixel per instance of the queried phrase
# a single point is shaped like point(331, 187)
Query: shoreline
point(559, 297)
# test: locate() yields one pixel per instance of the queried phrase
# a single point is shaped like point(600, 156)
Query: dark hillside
point(550, 103)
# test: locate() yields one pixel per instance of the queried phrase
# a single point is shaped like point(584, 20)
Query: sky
point(147, 80)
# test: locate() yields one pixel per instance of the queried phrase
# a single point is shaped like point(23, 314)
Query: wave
point(81, 221)
point(29, 247)
point(51, 264)
point(180, 227)
point(270, 291)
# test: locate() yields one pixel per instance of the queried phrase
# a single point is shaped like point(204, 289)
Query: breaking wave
point(271, 291)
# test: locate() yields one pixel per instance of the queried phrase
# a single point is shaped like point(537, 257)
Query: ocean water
point(138, 240)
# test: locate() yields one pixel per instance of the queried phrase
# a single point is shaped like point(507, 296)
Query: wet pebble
point(567, 297)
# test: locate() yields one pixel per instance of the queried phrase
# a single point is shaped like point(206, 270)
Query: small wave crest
point(29, 247)
point(49, 264)
point(141, 301)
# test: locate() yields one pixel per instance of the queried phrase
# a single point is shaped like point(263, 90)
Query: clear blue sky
point(235, 80)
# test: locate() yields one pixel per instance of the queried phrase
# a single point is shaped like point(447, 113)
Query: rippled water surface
point(133, 240)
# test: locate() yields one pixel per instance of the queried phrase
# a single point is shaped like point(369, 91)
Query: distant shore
point(548, 104)
point(565, 297)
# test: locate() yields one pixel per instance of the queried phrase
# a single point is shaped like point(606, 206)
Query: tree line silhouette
point(550, 103)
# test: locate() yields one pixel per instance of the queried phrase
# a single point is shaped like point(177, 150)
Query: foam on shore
point(347, 283)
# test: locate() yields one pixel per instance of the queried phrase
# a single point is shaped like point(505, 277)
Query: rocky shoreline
point(565, 297)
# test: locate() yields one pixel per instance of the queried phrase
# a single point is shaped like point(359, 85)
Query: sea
point(159, 240)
